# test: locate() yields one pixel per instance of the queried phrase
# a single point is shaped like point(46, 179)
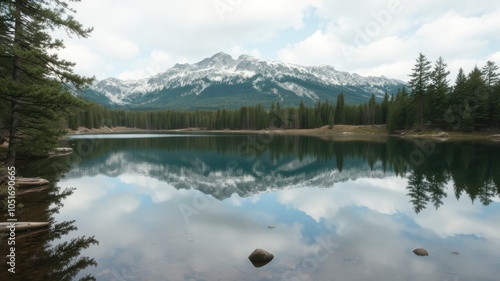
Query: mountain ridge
point(222, 81)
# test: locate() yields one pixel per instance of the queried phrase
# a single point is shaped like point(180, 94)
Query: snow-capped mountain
point(221, 81)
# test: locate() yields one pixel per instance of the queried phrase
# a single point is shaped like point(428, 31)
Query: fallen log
point(31, 189)
point(59, 151)
point(29, 182)
point(20, 226)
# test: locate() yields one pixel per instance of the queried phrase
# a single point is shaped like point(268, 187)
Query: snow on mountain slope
point(266, 77)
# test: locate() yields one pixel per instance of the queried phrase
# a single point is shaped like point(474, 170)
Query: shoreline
point(338, 131)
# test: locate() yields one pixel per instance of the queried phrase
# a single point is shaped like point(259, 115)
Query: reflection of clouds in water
point(87, 191)
point(388, 196)
point(163, 246)
point(158, 191)
point(462, 217)
point(377, 229)
point(325, 203)
point(371, 222)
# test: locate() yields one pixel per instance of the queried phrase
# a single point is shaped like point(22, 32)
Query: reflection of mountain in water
point(231, 169)
point(225, 164)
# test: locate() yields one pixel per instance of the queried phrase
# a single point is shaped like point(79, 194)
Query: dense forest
point(472, 103)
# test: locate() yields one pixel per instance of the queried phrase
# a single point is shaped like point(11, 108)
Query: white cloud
point(157, 62)
point(128, 34)
point(386, 43)
point(135, 39)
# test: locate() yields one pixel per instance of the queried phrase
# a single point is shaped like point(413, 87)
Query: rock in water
point(421, 252)
point(260, 257)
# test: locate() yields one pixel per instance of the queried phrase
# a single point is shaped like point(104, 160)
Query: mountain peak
point(221, 55)
point(220, 59)
point(221, 81)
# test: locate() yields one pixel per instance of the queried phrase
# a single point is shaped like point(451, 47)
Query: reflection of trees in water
point(39, 256)
point(473, 167)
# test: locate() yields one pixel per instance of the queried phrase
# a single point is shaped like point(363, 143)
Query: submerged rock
point(260, 257)
point(421, 252)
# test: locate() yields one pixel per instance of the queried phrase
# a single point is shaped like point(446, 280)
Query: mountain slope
point(223, 82)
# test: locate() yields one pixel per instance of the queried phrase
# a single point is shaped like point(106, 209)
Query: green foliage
point(244, 118)
point(477, 99)
point(492, 80)
point(438, 92)
point(419, 83)
point(35, 83)
point(468, 119)
point(339, 109)
point(397, 117)
point(471, 105)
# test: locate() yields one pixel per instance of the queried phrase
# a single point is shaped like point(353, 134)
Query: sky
point(137, 39)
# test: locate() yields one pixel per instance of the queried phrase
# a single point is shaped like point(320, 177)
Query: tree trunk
point(14, 107)
point(421, 112)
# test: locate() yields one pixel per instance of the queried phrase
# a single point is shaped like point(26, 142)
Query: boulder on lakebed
point(260, 257)
point(421, 252)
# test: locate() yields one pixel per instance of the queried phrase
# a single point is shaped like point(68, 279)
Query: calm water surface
point(179, 207)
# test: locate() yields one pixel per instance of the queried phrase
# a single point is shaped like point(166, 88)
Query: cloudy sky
point(135, 39)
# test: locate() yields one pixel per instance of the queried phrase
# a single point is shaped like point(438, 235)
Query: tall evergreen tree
point(397, 117)
point(339, 109)
point(372, 103)
point(419, 82)
point(491, 79)
point(454, 113)
point(490, 74)
point(35, 81)
point(385, 108)
point(496, 109)
point(477, 98)
point(438, 92)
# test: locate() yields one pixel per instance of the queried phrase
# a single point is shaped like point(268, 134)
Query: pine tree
point(385, 108)
point(453, 115)
point(468, 119)
point(330, 120)
point(339, 109)
point(419, 83)
point(35, 81)
point(438, 92)
point(302, 115)
point(371, 109)
point(490, 75)
point(477, 98)
point(496, 109)
point(491, 79)
point(397, 115)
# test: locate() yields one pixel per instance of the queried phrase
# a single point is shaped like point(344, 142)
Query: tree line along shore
point(430, 106)
point(471, 105)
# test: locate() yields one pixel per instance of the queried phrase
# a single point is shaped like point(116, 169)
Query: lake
point(193, 207)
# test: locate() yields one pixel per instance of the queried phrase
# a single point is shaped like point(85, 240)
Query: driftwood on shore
point(30, 182)
point(59, 151)
point(32, 189)
point(20, 226)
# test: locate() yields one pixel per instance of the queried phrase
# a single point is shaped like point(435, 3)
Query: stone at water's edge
point(260, 257)
point(421, 252)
